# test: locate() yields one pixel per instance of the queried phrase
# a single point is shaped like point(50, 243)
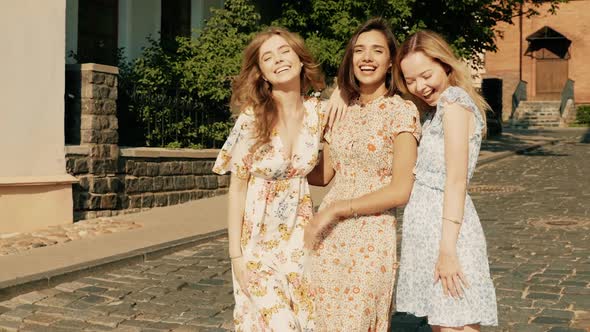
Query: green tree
point(179, 96)
point(468, 25)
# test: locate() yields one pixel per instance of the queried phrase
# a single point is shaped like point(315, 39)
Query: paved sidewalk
point(533, 209)
point(173, 227)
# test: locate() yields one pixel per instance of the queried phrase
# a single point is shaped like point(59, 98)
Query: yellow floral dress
point(278, 206)
point(354, 266)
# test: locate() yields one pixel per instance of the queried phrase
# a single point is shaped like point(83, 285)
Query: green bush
point(179, 96)
point(583, 114)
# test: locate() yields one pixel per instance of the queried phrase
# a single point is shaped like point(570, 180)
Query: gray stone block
point(109, 107)
point(180, 183)
point(223, 181)
point(147, 200)
point(116, 184)
point(110, 80)
point(139, 169)
point(200, 182)
point(94, 202)
point(160, 199)
point(81, 166)
point(84, 182)
point(158, 183)
point(122, 201)
point(99, 185)
point(108, 202)
point(176, 168)
point(165, 168)
point(211, 182)
point(108, 136)
point(173, 198)
point(131, 185)
point(102, 166)
point(168, 183)
point(185, 197)
point(134, 201)
point(153, 169)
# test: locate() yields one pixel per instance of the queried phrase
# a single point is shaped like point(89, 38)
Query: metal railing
point(566, 94)
point(163, 118)
point(518, 96)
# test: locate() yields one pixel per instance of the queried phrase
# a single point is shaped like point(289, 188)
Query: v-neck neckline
point(297, 138)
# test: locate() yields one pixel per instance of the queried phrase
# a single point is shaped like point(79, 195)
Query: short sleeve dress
point(422, 228)
point(278, 205)
point(354, 267)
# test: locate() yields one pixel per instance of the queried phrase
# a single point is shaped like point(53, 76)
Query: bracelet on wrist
point(353, 212)
point(454, 221)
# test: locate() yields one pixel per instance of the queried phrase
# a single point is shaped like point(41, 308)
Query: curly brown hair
point(251, 91)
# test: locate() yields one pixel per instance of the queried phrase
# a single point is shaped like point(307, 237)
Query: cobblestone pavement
point(535, 209)
point(13, 243)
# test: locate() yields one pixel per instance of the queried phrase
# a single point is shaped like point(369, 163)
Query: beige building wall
point(35, 190)
point(572, 20)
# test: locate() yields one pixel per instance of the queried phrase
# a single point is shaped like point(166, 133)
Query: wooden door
point(551, 75)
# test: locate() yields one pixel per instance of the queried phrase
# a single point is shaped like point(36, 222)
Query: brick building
point(544, 51)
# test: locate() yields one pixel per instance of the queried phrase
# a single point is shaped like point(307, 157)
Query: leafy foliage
point(468, 25)
point(583, 115)
point(178, 97)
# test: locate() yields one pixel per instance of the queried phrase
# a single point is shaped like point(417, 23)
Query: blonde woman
point(271, 149)
point(444, 272)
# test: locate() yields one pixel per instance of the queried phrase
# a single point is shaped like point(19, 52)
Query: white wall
point(32, 84)
point(71, 29)
point(137, 20)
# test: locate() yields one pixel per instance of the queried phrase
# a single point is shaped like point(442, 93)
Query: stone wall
point(144, 178)
point(114, 180)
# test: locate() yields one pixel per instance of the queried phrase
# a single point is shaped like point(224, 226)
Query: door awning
point(547, 38)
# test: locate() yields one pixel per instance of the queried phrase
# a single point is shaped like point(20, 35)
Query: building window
point(176, 21)
point(97, 31)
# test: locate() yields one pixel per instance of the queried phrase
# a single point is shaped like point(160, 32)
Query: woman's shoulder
point(400, 105)
point(455, 94)
point(315, 103)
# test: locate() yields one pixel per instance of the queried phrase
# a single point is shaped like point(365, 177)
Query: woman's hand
point(317, 224)
point(449, 272)
point(336, 108)
point(320, 221)
point(241, 274)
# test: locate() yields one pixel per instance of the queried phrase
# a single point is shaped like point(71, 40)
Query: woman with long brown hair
point(370, 155)
point(272, 147)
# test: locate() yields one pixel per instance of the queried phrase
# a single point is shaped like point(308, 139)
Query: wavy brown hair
point(346, 79)
point(250, 90)
point(434, 46)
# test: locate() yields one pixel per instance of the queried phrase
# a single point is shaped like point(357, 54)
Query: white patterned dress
point(422, 227)
point(278, 206)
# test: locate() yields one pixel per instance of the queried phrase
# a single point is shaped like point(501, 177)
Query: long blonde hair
point(434, 46)
point(250, 90)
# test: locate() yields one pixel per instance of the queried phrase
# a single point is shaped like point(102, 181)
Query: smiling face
point(371, 59)
point(424, 77)
point(278, 62)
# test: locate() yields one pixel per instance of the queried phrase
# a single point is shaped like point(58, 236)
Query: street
point(534, 207)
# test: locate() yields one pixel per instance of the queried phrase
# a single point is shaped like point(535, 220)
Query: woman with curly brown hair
point(271, 149)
